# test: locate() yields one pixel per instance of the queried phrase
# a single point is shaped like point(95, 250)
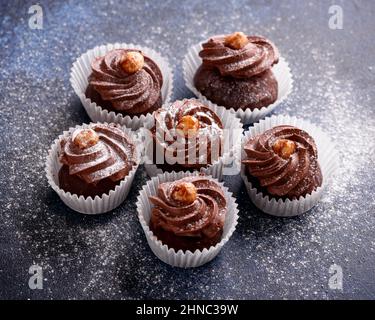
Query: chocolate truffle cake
point(189, 213)
point(95, 159)
point(284, 162)
point(188, 134)
point(125, 81)
point(236, 71)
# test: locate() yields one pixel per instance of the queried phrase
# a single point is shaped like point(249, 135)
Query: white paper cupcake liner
point(106, 202)
point(82, 69)
point(183, 259)
point(328, 159)
point(281, 70)
point(225, 165)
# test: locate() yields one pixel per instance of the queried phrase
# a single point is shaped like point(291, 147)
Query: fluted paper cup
point(82, 69)
point(281, 70)
point(88, 205)
point(328, 159)
point(224, 165)
point(183, 259)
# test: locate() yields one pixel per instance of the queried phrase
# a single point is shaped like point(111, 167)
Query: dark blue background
point(107, 256)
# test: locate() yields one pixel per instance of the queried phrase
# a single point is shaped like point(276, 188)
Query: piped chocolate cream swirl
point(236, 71)
point(284, 160)
point(188, 133)
point(128, 80)
point(189, 213)
point(238, 55)
point(97, 153)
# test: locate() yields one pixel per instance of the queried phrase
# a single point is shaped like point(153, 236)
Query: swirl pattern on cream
point(204, 217)
point(113, 156)
point(291, 173)
point(257, 56)
point(206, 144)
point(131, 93)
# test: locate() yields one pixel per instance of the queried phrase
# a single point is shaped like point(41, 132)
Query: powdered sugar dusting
point(108, 256)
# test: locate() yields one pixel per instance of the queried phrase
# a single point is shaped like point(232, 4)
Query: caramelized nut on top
point(284, 148)
point(184, 192)
point(236, 40)
point(132, 61)
point(85, 138)
point(188, 126)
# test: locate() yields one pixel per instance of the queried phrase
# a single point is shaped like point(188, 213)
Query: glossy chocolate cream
point(284, 162)
point(189, 213)
point(189, 128)
point(95, 159)
point(123, 87)
point(236, 71)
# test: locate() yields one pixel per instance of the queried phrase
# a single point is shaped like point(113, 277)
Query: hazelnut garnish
point(284, 148)
point(85, 138)
point(132, 61)
point(188, 126)
point(236, 40)
point(184, 192)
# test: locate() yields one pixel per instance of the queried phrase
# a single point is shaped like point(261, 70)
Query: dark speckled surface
point(107, 256)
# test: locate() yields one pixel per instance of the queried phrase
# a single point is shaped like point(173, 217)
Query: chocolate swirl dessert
point(236, 71)
point(189, 213)
point(95, 159)
point(186, 134)
point(125, 81)
point(284, 162)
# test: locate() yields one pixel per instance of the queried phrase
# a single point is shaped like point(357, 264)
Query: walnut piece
point(284, 148)
point(184, 192)
point(132, 61)
point(236, 40)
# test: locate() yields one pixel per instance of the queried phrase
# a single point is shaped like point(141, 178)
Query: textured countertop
point(107, 256)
